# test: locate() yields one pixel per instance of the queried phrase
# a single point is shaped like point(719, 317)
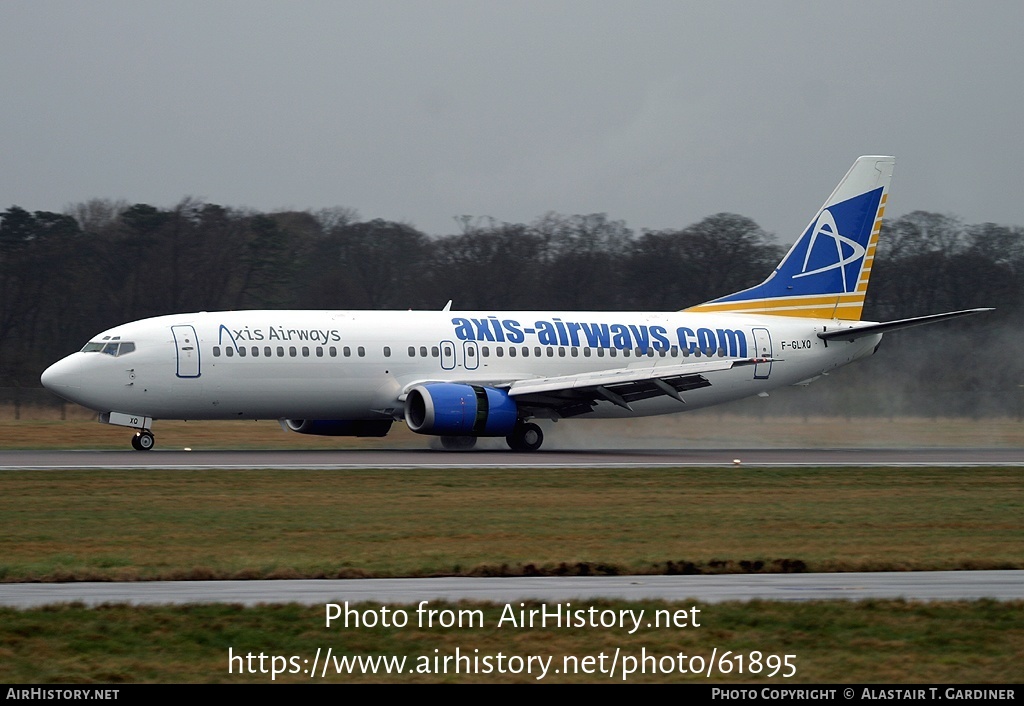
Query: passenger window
point(229, 352)
point(361, 351)
point(280, 351)
point(241, 351)
point(423, 351)
point(333, 352)
point(412, 351)
point(575, 352)
point(526, 351)
point(625, 352)
point(612, 353)
point(561, 352)
point(347, 352)
point(470, 352)
point(305, 351)
point(586, 352)
point(434, 351)
point(536, 352)
point(267, 352)
point(600, 352)
point(255, 351)
point(292, 352)
point(511, 351)
point(320, 351)
point(216, 351)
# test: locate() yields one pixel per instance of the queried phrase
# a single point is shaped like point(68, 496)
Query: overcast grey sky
point(657, 113)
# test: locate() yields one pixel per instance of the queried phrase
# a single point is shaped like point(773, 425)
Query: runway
point(424, 458)
point(920, 586)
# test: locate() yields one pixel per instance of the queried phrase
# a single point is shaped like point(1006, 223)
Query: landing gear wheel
point(143, 440)
point(458, 443)
point(525, 437)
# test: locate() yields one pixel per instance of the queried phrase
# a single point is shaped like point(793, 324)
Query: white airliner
point(462, 375)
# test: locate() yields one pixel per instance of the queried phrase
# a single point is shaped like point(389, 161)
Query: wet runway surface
point(424, 458)
point(916, 585)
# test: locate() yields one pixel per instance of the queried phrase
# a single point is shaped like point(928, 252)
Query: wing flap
point(609, 378)
point(572, 395)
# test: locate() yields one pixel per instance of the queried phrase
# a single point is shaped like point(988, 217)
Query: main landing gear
point(525, 437)
point(143, 440)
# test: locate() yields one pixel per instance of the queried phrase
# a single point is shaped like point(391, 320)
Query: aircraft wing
point(572, 395)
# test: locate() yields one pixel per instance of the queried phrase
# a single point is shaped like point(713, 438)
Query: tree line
point(66, 276)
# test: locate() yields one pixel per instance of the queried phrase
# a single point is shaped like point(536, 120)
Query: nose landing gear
point(143, 440)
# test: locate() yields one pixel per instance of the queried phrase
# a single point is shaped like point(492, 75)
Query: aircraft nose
point(65, 374)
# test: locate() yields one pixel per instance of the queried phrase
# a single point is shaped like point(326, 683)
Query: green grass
point(172, 524)
point(68, 525)
point(836, 641)
point(107, 525)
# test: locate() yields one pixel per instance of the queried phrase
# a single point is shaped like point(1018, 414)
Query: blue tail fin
point(825, 274)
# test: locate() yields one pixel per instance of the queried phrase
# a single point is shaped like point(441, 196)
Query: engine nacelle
point(339, 427)
point(451, 409)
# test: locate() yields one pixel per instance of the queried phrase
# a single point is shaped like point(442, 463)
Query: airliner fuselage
point(359, 364)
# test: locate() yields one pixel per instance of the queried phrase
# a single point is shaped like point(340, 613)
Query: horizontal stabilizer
point(855, 332)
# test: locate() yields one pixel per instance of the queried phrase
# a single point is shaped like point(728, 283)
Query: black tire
point(458, 443)
point(143, 441)
point(525, 437)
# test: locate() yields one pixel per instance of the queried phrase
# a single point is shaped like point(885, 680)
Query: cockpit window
point(110, 347)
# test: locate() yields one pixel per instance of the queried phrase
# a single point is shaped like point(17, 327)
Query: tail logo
point(825, 274)
point(826, 226)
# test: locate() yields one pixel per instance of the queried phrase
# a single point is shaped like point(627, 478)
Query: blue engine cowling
point(339, 427)
point(451, 409)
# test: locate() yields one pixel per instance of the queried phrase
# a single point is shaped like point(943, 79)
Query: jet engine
point(339, 427)
point(452, 409)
